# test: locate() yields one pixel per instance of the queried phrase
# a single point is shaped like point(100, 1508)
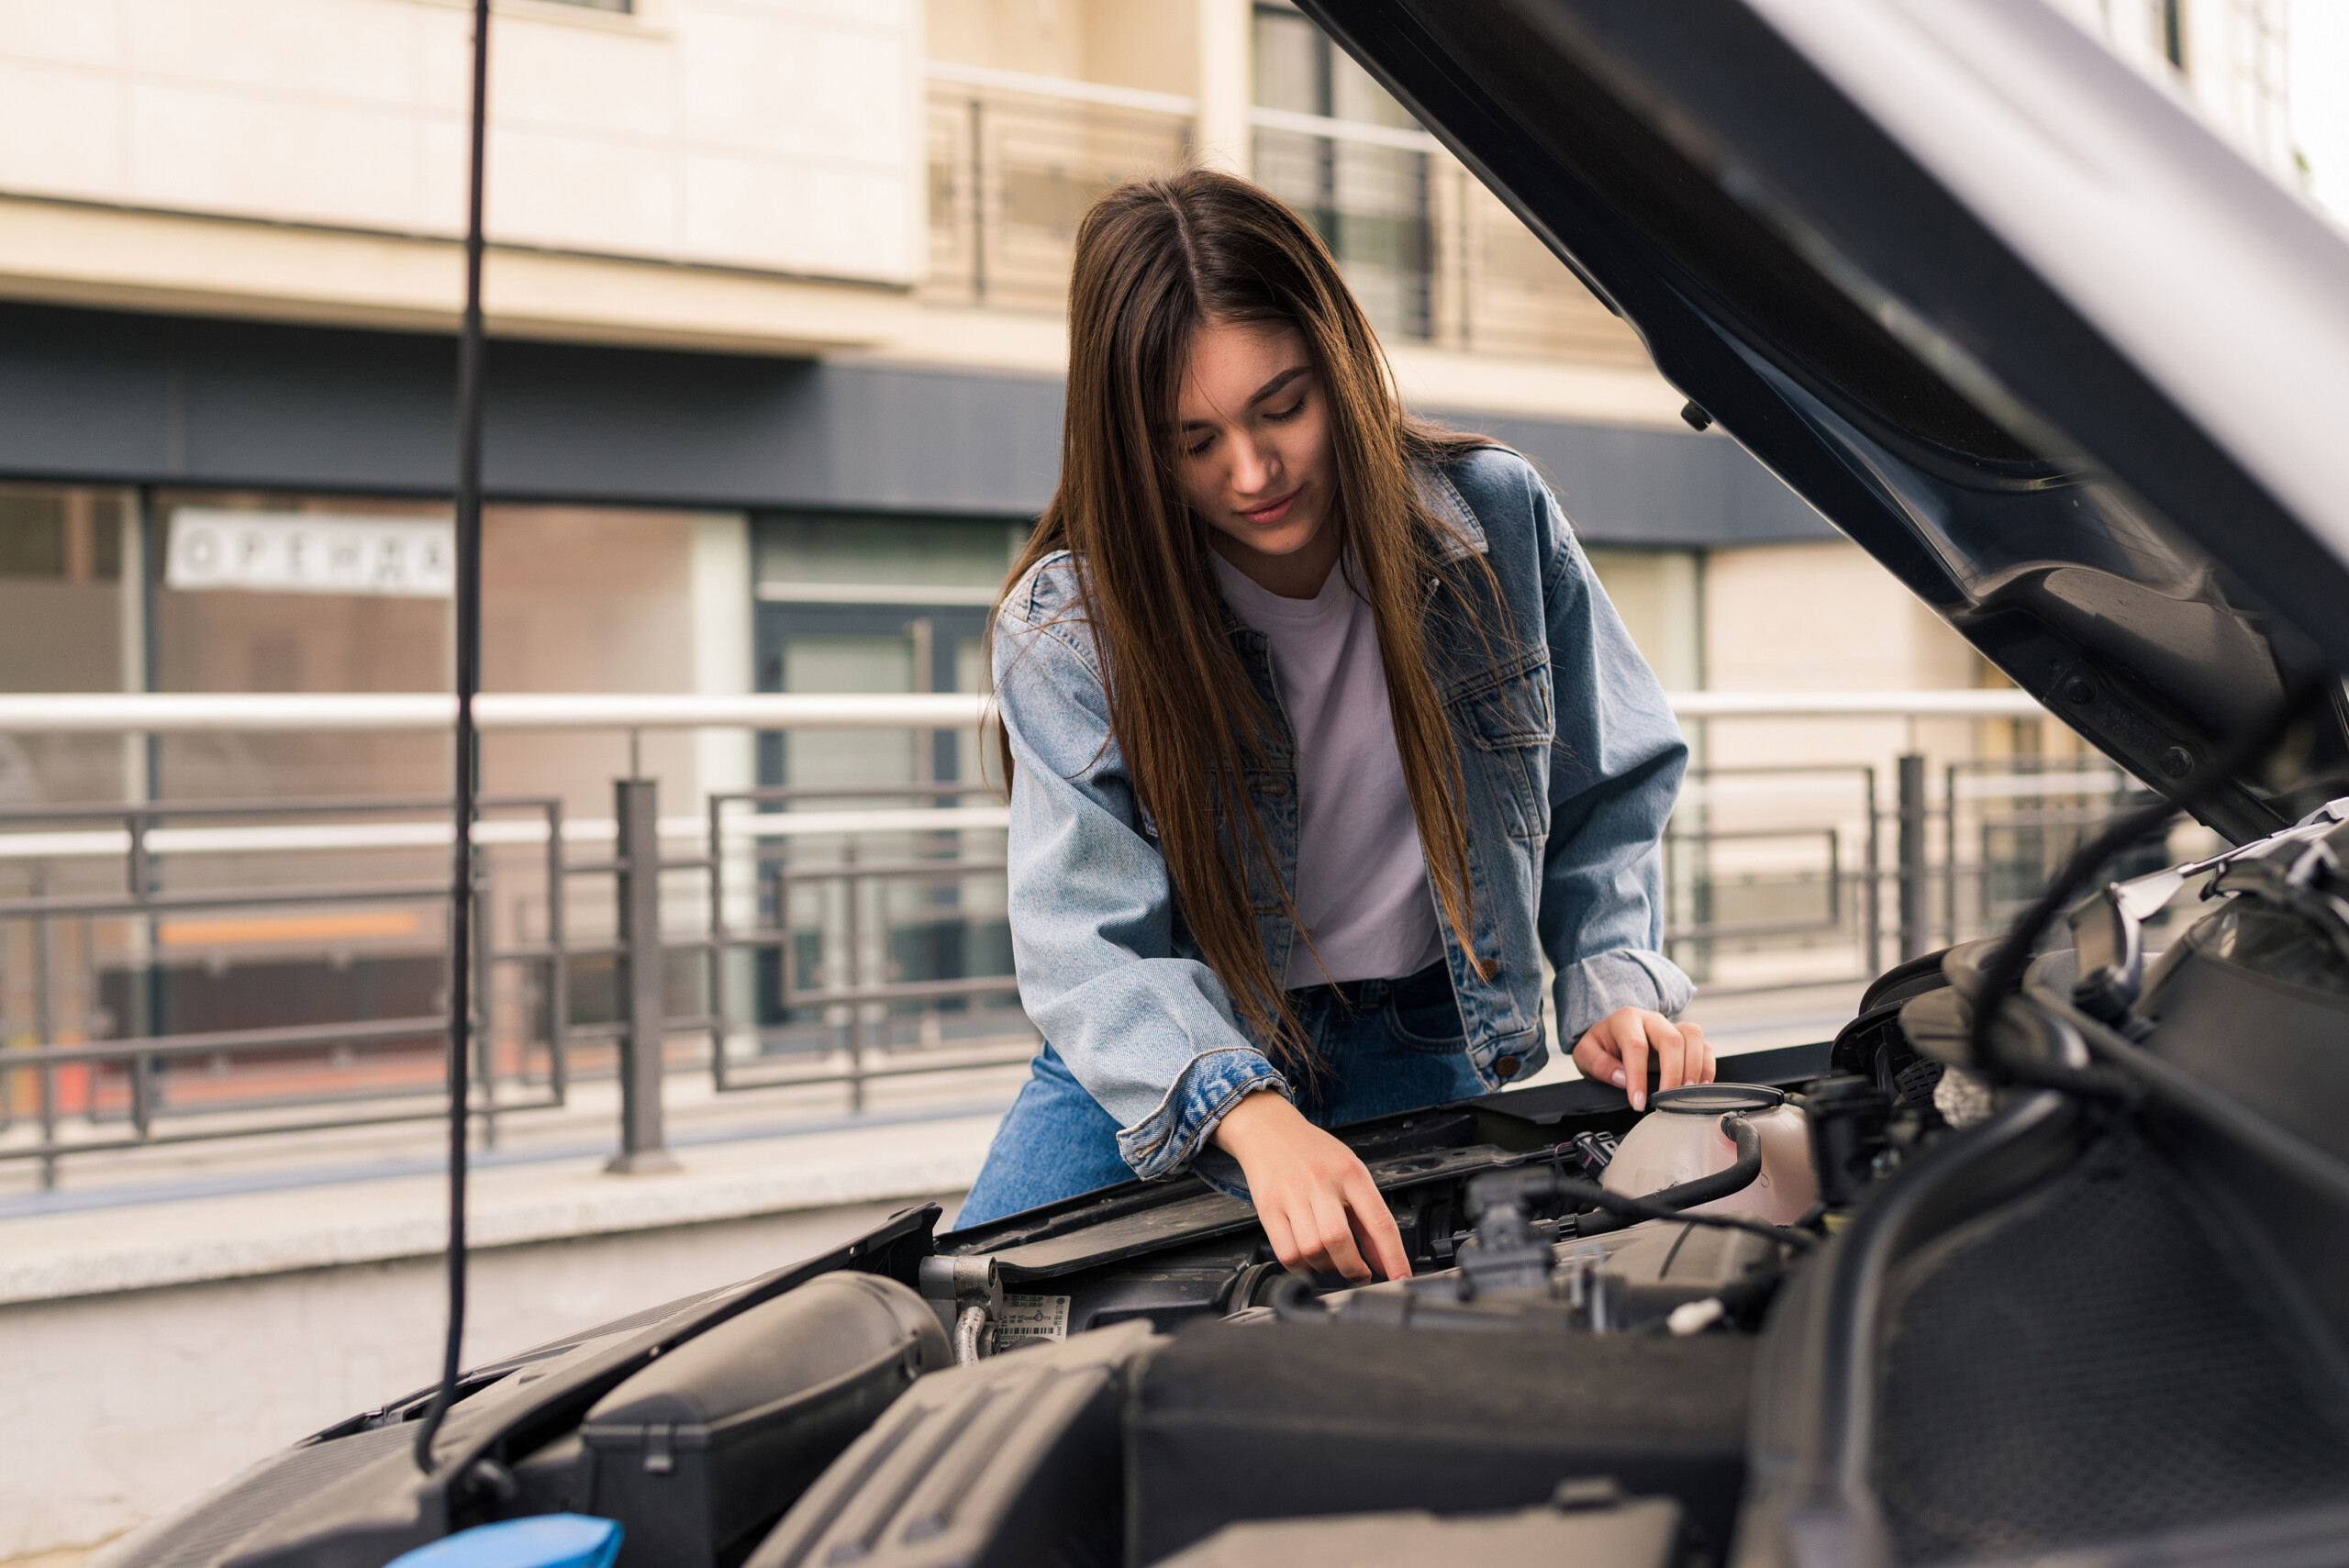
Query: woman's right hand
point(1314, 1196)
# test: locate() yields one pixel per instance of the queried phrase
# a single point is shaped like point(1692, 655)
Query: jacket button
point(1506, 1067)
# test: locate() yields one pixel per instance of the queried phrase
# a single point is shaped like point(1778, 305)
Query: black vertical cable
point(461, 900)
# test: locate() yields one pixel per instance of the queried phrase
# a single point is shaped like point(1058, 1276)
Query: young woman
point(1320, 734)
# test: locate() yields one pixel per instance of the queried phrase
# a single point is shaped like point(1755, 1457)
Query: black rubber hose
point(1630, 1208)
point(1687, 1195)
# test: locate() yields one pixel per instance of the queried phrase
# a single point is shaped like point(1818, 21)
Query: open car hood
point(2005, 312)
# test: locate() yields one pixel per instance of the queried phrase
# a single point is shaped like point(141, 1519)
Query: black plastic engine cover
point(718, 1437)
point(1262, 1420)
point(1010, 1461)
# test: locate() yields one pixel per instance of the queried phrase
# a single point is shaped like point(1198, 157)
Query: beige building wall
point(1826, 616)
point(1660, 596)
point(772, 134)
point(1822, 616)
point(1797, 617)
point(737, 175)
point(1150, 45)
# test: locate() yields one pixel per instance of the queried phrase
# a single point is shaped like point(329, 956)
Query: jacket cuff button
point(1506, 1067)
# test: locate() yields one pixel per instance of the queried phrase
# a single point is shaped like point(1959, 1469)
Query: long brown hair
point(1155, 260)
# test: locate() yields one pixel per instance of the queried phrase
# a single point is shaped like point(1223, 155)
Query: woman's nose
point(1252, 469)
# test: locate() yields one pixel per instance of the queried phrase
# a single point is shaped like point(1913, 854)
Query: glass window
point(876, 604)
point(1292, 62)
point(273, 593)
point(588, 600)
point(850, 759)
point(61, 625)
point(822, 556)
point(1369, 203)
point(234, 612)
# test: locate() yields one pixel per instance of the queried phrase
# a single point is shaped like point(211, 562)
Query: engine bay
point(1881, 1303)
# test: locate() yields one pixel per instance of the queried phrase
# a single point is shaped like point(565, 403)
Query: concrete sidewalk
point(175, 1314)
point(218, 1211)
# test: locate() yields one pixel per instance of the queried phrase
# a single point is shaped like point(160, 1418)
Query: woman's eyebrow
point(1278, 382)
point(1259, 395)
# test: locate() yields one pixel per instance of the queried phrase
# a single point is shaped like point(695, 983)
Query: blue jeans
point(1384, 1046)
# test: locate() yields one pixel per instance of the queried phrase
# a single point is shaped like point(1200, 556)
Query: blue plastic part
point(546, 1540)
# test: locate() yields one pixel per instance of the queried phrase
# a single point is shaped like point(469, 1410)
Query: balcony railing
point(1015, 160)
point(1435, 258)
point(172, 972)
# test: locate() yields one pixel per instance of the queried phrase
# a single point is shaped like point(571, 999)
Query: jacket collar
point(1442, 498)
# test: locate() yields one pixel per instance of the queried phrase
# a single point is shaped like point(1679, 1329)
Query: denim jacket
point(1570, 761)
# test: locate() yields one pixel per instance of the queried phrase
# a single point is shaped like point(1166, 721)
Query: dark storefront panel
point(1630, 486)
point(121, 398)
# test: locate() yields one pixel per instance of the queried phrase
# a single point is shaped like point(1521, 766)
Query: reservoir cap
point(547, 1540)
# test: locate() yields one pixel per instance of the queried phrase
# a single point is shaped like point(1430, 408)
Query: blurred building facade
point(776, 290)
point(2230, 59)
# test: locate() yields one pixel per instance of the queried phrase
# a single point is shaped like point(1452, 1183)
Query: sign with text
point(312, 553)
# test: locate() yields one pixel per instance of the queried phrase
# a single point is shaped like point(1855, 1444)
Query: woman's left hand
point(1615, 1051)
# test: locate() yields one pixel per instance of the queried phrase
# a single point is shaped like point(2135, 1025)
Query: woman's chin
point(1285, 538)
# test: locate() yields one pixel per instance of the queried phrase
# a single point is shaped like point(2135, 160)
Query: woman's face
point(1253, 452)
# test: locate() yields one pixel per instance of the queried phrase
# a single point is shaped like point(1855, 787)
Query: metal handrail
point(1066, 89)
point(184, 713)
point(741, 833)
point(1832, 880)
point(181, 713)
point(143, 847)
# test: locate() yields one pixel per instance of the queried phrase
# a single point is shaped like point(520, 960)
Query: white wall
point(1814, 617)
point(1825, 617)
point(768, 134)
point(719, 588)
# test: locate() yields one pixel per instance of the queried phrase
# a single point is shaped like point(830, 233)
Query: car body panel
point(2108, 472)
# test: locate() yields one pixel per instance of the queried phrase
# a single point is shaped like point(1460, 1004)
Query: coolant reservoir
point(1681, 1139)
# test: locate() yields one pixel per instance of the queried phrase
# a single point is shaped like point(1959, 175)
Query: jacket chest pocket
point(1273, 794)
point(1505, 726)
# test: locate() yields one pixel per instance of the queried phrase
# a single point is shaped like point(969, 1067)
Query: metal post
point(45, 1028)
point(978, 204)
point(1949, 855)
point(8, 1074)
point(1875, 879)
point(142, 888)
point(1914, 933)
point(636, 802)
point(855, 981)
point(718, 949)
point(483, 1008)
point(558, 962)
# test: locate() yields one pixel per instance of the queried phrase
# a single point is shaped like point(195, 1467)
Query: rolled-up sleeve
point(1151, 1035)
point(1615, 771)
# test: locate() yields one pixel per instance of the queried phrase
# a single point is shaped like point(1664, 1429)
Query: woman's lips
point(1273, 512)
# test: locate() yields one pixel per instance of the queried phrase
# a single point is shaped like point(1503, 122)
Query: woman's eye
point(1198, 449)
point(1284, 416)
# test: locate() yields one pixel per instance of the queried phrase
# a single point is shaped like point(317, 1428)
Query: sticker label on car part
point(1032, 1317)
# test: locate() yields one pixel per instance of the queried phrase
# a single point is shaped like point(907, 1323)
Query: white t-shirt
point(1361, 880)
